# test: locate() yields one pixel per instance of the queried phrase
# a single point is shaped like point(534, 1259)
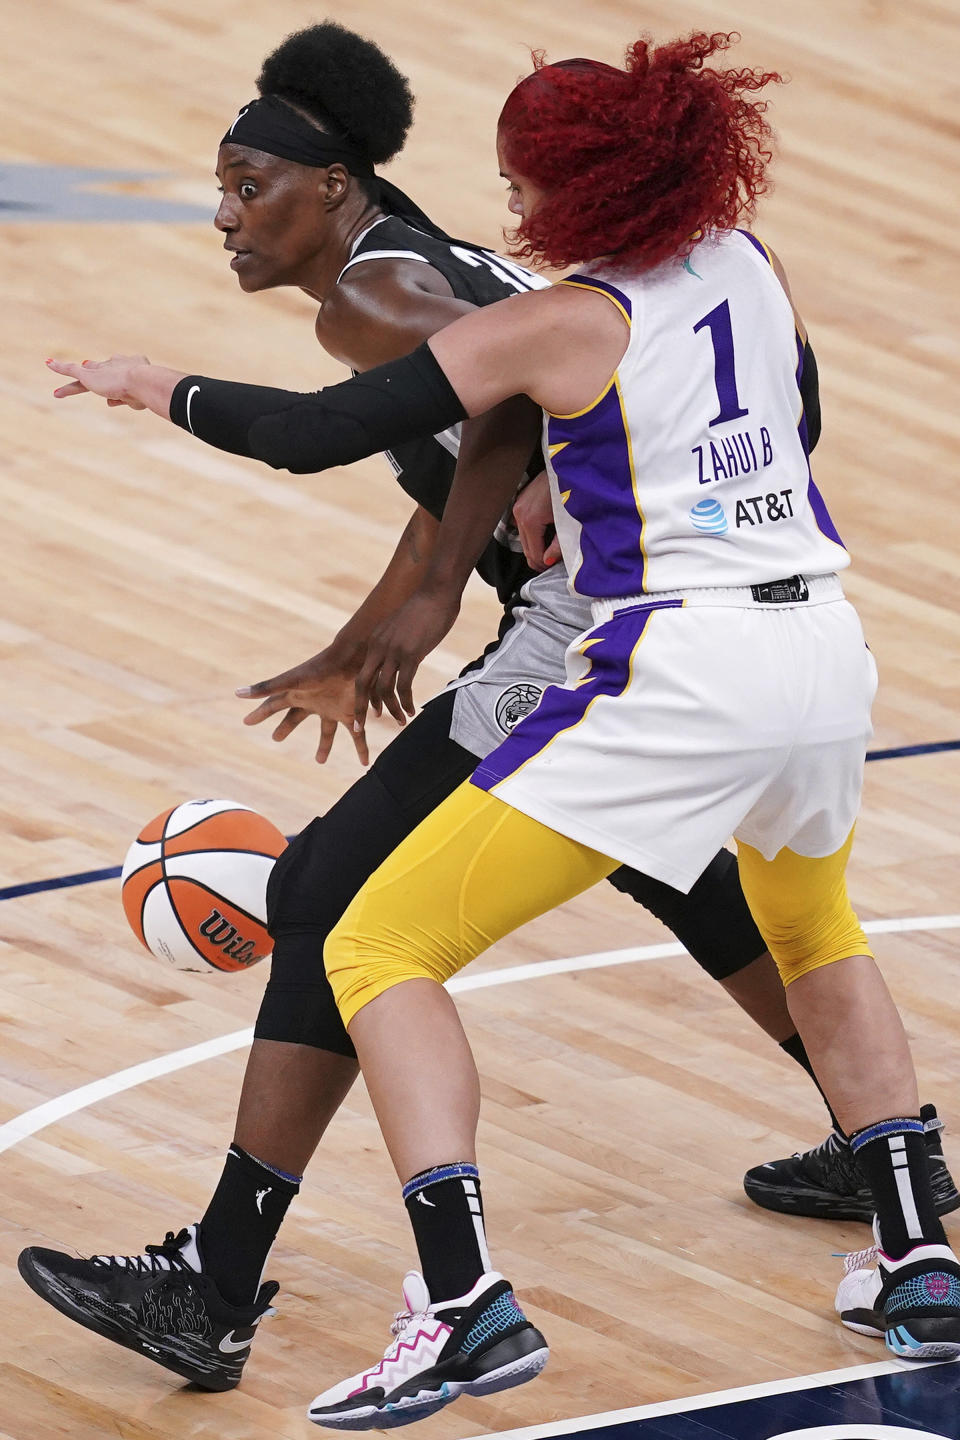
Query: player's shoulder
point(389, 256)
point(392, 239)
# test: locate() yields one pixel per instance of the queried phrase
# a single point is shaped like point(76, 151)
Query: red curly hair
point(635, 162)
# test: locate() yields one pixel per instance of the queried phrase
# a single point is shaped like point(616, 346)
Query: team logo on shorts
point(516, 702)
point(707, 516)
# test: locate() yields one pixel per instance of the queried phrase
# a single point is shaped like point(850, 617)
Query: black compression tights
point(323, 868)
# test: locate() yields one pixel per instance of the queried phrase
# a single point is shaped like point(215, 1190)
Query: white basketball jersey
point(691, 468)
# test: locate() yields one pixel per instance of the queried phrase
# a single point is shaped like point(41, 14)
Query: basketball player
point(476, 1339)
point(302, 206)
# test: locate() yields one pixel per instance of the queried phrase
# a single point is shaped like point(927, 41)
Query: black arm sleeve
point(404, 400)
point(810, 394)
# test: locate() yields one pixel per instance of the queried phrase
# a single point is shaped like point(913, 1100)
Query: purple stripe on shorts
point(592, 283)
point(562, 707)
point(594, 471)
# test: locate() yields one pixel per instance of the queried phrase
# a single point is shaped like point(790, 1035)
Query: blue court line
point(60, 882)
point(935, 748)
point(112, 872)
point(64, 882)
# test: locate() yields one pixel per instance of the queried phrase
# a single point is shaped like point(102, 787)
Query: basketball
point(194, 885)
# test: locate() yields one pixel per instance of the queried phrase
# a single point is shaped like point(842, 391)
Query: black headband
point(270, 125)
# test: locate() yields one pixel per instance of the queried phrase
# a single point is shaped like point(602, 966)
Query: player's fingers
point(289, 723)
point(270, 706)
point(269, 687)
point(359, 738)
point(364, 690)
point(385, 691)
point(405, 674)
point(63, 392)
point(64, 367)
point(552, 555)
point(531, 540)
point(328, 733)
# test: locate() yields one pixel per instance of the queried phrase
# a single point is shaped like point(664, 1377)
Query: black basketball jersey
point(425, 468)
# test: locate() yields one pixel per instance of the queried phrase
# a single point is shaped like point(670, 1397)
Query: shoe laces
point(859, 1259)
point(404, 1318)
point(833, 1164)
point(830, 1148)
point(156, 1260)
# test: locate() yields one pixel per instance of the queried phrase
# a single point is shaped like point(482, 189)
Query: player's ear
point(336, 185)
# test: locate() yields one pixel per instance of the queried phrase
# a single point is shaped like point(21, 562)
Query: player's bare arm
point(384, 309)
point(559, 346)
point(494, 451)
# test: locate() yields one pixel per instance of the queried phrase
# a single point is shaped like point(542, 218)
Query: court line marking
point(111, 872)
point(30, 1122)
point(708, 1402)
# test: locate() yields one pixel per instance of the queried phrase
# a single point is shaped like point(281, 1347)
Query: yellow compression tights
point(801, 908)
point(474, 870)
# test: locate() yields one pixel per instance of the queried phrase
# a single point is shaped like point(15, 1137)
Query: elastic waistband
point(792, 593)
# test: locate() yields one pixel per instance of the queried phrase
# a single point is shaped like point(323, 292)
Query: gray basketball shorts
point(507, 683)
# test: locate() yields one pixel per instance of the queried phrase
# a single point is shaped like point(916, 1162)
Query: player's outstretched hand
point(395, 651)
point(533, 517)
point(108, 378)
point(323, 686)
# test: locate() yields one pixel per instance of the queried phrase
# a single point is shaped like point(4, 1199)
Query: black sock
point(893, 1156)
point(446, 1213)
point(241, 1223)
point(795, 1048)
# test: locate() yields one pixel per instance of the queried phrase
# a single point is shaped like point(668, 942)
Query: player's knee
point(802, 909)
point(298, 1007)
point(808, 946)
point(365, 955)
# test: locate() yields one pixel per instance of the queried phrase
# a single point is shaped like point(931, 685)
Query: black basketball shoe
point(828, 1184)
point(159, 1303)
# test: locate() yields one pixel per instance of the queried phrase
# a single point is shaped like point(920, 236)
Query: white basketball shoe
point(475, 1345)
point(913, 1303)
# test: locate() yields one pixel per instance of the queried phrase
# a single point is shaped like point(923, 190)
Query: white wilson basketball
point(194, 885)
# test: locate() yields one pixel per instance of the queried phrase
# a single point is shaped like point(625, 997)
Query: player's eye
point(247, 190)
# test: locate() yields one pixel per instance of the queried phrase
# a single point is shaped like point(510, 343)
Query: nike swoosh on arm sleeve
point(305, 433)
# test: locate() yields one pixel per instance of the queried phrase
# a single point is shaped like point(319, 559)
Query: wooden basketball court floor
point(144, 577)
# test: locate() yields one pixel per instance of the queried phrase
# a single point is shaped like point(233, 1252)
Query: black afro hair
point(337, 76)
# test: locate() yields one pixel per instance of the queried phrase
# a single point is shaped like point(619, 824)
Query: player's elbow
point(286, 447)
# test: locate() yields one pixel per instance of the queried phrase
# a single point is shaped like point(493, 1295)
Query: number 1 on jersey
point(724, 374)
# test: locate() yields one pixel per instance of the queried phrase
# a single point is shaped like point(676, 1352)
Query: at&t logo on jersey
point(709, 518)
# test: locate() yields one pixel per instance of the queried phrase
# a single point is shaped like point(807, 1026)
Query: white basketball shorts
point(686, 719)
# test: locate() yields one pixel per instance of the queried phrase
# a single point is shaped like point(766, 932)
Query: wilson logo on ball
point(220, 932)
point(195, 885)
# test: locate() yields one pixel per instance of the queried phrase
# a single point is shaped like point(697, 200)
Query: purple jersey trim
point(815, 500)
point(590, 282)
point(758, 245)
point(593, 463)
point(610, 648)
